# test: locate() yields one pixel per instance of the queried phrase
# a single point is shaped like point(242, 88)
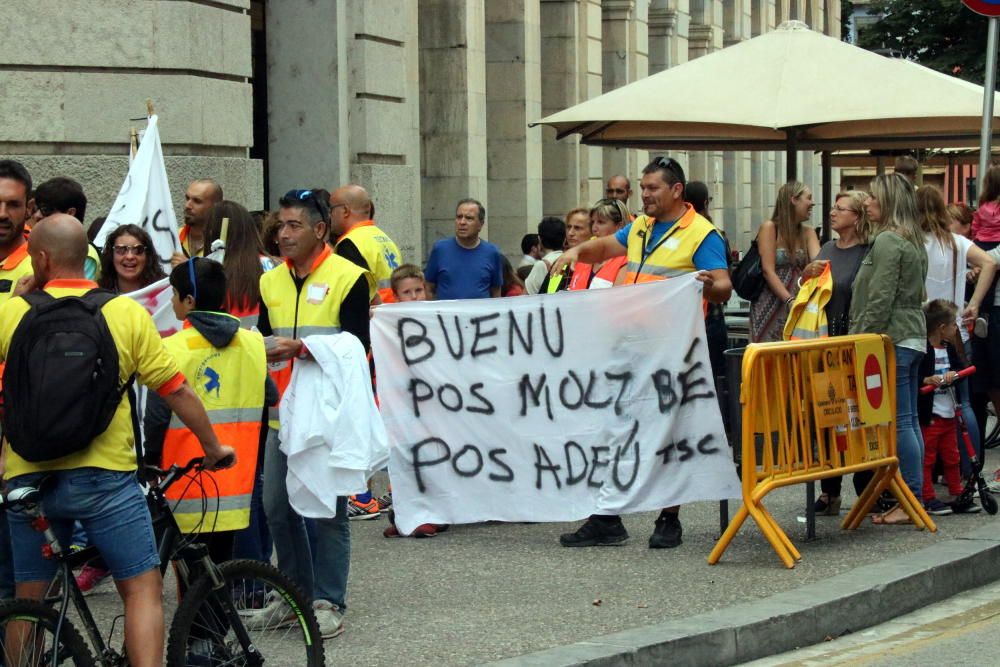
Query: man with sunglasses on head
point(354, 236)
point(199, 198)
point(316, 292)
point(669, 239)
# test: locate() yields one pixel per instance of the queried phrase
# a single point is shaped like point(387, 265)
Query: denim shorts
point(110, 506)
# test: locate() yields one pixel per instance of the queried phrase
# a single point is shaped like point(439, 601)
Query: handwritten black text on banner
point(550, 408)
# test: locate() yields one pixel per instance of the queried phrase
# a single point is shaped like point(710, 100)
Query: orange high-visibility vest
point(230, 383)
point(584, 275)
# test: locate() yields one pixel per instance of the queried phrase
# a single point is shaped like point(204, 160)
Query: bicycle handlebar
point(175, 472)
point(965, 372)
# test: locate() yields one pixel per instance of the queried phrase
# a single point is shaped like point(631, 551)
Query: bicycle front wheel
point(258, 616)
point(27, 637)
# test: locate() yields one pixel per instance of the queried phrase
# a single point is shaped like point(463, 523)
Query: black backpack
point(60, 385)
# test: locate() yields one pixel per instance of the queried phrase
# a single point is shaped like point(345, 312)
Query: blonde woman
point(785, 246)
point(606, 218)
point(888, 297)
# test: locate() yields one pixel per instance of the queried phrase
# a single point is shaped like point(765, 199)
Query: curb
point(848, 602)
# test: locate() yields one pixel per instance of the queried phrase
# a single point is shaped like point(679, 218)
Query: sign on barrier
point(814, 409)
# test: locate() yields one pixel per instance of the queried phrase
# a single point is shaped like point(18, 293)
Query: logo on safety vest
point(213, 381)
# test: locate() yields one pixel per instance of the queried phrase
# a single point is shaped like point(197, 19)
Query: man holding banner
point(669, 240)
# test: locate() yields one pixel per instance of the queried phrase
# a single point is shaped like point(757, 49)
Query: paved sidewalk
point(492, 591)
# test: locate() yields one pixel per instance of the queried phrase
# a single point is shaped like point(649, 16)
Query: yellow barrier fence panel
point(814, 409)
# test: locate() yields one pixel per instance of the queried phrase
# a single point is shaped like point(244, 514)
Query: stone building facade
point(421, 101)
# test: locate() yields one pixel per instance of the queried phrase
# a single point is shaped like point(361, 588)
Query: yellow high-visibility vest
point(807, 316)
point(673, 253)
point(380, 253)
point(230, 383)
point(308, 309)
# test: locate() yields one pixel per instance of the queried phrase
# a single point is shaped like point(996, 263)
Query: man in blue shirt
point(465, 267)
point(672, 238)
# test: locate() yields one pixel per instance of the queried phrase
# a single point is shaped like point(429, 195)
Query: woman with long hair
point(986, 221)
point(785, 246)
point(888, 299)
point(844, 256)
point(244, 261)
point(948, 255)
point(128, 261)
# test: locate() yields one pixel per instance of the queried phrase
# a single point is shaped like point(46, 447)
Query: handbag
point(748, 276)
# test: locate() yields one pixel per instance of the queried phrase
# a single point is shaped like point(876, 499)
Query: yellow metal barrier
point(814, 409)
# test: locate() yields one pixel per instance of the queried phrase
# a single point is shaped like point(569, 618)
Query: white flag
point(144, 199)
point(155, 299)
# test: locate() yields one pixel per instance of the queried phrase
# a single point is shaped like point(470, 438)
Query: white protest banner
point(552, 407)
point(155, 299)
point(144, 199)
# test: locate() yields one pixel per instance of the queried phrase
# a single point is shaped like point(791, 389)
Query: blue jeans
point(909, 442)
point(110, 506)
point(254, 541)
point(6, 560)
point(326, 579)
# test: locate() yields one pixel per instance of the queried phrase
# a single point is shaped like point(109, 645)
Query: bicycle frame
point(190, 560)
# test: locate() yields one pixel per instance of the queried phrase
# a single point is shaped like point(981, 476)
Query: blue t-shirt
point(709, 256)
point(461, 273)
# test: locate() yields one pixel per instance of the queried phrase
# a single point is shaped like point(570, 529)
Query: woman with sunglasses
point(844, 255)
point(786, 245)
point(127, 263)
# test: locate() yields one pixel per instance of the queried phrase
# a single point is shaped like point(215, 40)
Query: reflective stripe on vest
point(229, 381)
point(672, 255)
point(380, 253)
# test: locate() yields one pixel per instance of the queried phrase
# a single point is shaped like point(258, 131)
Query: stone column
point(67, 106)
point(625, 59)
point(738, 203)
point(452, 111)
point(347, 109)
point(513, 99)
point(705, 35)
point(571, 73)
point(668, 43)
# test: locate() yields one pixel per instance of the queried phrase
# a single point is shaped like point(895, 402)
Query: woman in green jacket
point(888, 293)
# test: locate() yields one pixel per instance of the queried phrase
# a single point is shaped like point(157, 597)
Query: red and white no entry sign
point(873, 381)
point(984, 7)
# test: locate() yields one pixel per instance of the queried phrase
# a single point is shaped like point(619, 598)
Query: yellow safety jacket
point(230, 383)
point(380, 253)
point(673, 253)
point(16, 265)
point(807, 316)
point(307, 307)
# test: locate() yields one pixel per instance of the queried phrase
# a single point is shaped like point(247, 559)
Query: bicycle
point(212, 624)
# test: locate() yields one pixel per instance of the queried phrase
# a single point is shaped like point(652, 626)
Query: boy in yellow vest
point(227, 367)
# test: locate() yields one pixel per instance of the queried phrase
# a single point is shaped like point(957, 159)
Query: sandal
point(827, 506)
point(894, 517)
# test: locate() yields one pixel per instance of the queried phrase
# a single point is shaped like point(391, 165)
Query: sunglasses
point(137, 250)
point(671, 165)
point(310, 196)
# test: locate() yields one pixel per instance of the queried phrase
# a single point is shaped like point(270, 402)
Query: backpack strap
point(38, 298)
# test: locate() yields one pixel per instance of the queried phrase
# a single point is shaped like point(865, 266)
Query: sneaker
point(276, 614)
point(994, 483)
point(967, 508)
point(384, 503)
point(596, 532)
point(329, 619)
point(362, 511)
point(667, 533)
point(90, 578)
point(937, 508)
